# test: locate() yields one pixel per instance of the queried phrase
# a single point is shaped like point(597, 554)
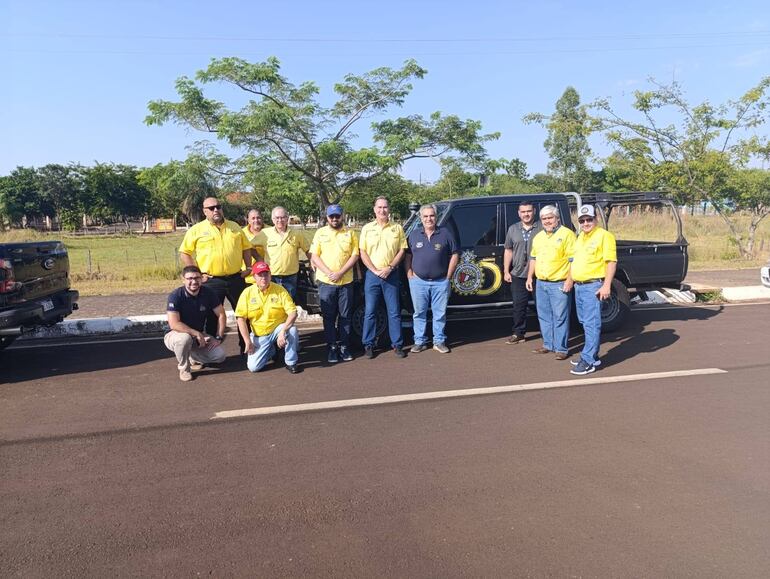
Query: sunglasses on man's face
point(586, 220)
point(214, 207)
point(334, 216)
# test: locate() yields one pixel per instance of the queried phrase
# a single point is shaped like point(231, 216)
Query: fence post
point(89, 260)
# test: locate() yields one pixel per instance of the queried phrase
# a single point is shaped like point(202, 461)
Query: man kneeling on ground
point(266, 314)
point(188, 307)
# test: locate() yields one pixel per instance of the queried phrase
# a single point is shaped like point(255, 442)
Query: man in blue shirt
point(188, 307)
point(430, 263)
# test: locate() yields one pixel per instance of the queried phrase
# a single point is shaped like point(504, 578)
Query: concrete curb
point(129, 326)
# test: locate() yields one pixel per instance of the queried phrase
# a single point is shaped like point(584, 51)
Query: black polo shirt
point(430, 257)
point(192, 309)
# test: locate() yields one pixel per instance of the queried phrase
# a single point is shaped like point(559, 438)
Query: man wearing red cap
point(266, 314)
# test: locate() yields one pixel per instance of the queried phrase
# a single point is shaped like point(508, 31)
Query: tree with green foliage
point(696, 155)
point(177, 188)
point(60, 188)
point(113, 192)
point(567, 142)
point(19, 196)
point(285, 123)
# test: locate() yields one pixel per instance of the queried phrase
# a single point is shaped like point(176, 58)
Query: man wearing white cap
point(592, 269)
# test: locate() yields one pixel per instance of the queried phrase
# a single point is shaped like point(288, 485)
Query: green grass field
point(125, 264)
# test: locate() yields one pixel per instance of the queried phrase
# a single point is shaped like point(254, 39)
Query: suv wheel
point(358, 323)
point(616, 309)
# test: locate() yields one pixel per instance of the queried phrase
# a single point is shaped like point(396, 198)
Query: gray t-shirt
point(520, 241)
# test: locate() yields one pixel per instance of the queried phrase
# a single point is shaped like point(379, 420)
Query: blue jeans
point(336, 302)
point(289, 282)
point(425, 294)
point(553, 307)
point(266, 348)
point(589, 313)
point(375, 288)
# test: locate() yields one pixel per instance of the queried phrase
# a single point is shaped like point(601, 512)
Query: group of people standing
point(255, 268)
point(548, 259)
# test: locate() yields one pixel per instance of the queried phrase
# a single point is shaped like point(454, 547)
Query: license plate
point(47, 305)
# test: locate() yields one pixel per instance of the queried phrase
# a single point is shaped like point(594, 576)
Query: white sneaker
point(185, 376)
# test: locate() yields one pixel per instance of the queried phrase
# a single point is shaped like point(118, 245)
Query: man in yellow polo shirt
point(255, 234)
point(383, 245)
point(219, 248)
point(265, 315)
point(281, 252)
point(592, 271)
point(334, 252)
point(550, 258)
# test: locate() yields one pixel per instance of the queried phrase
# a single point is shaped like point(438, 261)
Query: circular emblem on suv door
point(49, 263)
point(469, 277)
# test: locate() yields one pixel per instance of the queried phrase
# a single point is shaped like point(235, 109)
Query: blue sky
point(77, 75)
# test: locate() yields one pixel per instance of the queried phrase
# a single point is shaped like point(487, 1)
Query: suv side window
point(512, 213)
point(479, 225)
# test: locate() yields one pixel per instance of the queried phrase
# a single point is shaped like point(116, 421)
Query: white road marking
point(379, 400)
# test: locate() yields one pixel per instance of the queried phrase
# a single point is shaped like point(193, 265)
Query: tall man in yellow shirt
point(383, 245)
point(334, 252)
point(550, 257)
point(265, 315)
point(282, 247)
point(592, 270)
point(219, 248)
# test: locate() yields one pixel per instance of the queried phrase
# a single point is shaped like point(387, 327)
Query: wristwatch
point(219, 338)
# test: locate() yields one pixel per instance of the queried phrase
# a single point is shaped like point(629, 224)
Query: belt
point(551, 280)
point(589, 281)
point(232, 275)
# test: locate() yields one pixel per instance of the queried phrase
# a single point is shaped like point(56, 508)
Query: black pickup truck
point(34, 287)
point(480, 224)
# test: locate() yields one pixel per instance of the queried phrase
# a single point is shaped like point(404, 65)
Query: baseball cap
point(259, 267)
point(586, 211)
point(333, 210)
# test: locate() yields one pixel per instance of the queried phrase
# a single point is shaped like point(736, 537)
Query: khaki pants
point(185, 347)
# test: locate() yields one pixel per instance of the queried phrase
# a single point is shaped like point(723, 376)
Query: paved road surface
point(111, 466)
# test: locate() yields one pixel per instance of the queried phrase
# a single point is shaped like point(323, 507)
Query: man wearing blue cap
point(334, 252)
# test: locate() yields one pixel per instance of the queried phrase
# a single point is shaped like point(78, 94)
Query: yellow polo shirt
point(258, 240)
point(334, 247)
point(217, 250)
point(265, 310)
point(592, 252)
point(552, 253)
point(382, 244)
point(281, 250)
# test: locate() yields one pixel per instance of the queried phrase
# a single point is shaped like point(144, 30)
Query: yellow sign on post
point(164, 225)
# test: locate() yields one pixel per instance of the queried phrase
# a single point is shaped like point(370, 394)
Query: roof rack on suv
point(621, 197)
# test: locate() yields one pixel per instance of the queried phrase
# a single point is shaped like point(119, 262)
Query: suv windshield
point(414, 219)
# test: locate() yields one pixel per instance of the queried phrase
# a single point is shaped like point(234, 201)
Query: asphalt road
point(111, 466)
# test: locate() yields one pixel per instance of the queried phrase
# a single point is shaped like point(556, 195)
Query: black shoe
point(399, 352)
point(292, 369)
point(345, 354)
point(369, 352)
point(332, 356)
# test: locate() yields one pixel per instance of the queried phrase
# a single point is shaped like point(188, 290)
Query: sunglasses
point(586, 220)
point(214, 207)
point(335, 216)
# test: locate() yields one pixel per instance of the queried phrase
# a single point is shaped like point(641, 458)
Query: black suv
point(480, 223)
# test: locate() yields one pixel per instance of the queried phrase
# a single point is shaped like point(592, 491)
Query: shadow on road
point(632, 339)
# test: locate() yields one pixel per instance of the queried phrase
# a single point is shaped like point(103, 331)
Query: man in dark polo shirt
point(430, 263)
point(518, 241)
point(188, 307)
